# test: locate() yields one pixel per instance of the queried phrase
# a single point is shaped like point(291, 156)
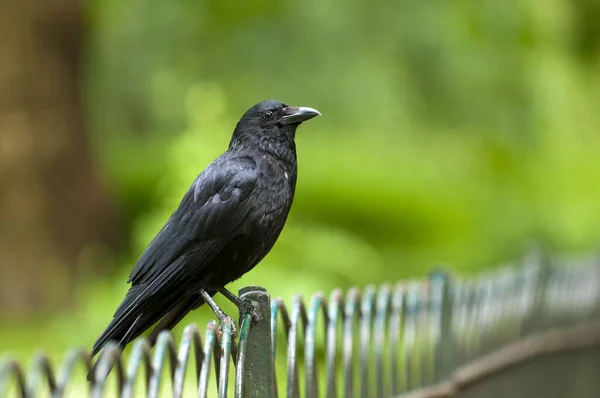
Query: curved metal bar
point(140, 356)
point(241, 358)
point(8, 369)
point(278, 307)
point(437, 284)
point(209, 344)
point(410, 333)
point(41, 368)
point(530, 273)
point(397, 317)
point(471, 320)
point(502, 301)
point(225, 356)
point(490, 305)
point(164, 351)
point(191, 339)
point(479, 314)
point(335, 316)
point(445, 336)
point(457, 302)
point(317, 305)
point(66, 370)
point(350, 316)
point(424, 336)
point(298, 316)
point(367, 306)
point(382, 310)
point(111, 356)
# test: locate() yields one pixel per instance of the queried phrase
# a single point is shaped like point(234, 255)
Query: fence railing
point(514, 332)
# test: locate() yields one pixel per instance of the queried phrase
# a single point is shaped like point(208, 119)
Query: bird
point(226, 223)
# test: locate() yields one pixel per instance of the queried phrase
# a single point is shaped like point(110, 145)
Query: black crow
point(226, 223)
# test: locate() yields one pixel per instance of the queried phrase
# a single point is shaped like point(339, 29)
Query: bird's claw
point(248, 308)
point(233, 329)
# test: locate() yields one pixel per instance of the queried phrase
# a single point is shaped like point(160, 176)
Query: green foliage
point(449, 133)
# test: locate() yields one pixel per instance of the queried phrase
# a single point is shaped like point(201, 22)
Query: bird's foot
point(221, 316)
point(247, 308)
point(243, 306)
point(233, 328)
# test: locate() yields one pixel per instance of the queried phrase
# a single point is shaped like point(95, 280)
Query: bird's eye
point(268, 115)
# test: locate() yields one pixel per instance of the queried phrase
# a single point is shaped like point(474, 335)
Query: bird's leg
point(231, 297)
point(243, 306)
point(217, 310)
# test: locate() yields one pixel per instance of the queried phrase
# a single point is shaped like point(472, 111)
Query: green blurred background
point(452, 133)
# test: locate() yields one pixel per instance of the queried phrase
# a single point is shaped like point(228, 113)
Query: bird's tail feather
point(127, 327)
point(131, 321)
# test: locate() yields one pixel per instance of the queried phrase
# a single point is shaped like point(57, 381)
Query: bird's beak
point(297, 114)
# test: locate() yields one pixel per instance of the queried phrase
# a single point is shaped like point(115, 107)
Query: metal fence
point(525, 331)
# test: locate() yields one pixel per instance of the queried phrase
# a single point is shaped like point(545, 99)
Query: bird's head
point(271, 121)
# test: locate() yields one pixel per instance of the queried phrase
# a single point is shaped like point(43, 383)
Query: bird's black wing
point(210, 215)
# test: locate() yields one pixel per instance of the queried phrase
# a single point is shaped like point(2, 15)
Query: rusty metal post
point(256, 371)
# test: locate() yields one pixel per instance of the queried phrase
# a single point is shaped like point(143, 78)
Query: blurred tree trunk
point(52, 203)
